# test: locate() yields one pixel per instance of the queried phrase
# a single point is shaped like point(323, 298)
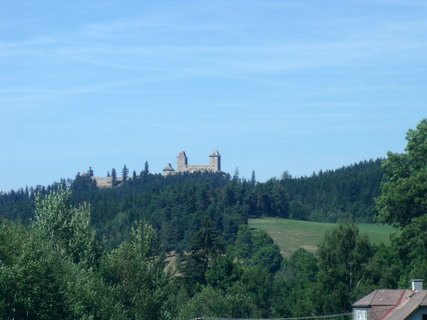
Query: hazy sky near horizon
point(274, 85)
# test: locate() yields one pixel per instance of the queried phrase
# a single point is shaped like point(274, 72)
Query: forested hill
point(177, 205)
point(345, 194)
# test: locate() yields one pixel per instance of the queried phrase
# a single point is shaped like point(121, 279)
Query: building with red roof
point(393, 304)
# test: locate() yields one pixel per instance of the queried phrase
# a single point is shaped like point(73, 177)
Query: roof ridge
point(397, 304)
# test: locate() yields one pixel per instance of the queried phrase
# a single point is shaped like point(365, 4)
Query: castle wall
point(182, 165)
point(197, 168)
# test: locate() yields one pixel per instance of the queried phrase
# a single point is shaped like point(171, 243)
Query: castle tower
point(181, 162)
point(215, 161)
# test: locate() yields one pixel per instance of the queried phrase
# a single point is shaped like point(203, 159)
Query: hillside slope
point(290, 235)
point(344, 194)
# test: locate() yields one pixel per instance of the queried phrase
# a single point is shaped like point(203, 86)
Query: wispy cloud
point(27, 43)
point(34, 94)
point(143, 42)
point(406, 3)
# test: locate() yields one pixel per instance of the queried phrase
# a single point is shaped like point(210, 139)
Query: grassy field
point(290, 235)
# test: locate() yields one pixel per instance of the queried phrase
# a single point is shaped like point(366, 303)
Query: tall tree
point(253, 179)
point(113, 176)
point(343, 258)
point(206, 247)
point(236, 174)
point(410, 250)
point(136, 269)
point(404, 192)
point(125, 173)
point(66, 226)
point(29, 270)
point(293, 285)
point(144, 173)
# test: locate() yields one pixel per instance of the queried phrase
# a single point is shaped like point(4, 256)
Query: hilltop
point(344, 194)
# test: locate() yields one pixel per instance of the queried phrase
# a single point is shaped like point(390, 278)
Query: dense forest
point(344, 194)
point(178, 247)
point(176, 205)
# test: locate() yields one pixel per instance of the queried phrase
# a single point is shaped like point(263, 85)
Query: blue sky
point(273, 85)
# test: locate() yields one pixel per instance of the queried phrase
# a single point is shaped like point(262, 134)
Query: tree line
point(341, 195)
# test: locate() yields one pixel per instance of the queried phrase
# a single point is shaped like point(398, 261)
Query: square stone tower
point(181, 162)
point(215, 161)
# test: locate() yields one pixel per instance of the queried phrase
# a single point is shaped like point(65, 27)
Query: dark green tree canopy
point(343, 257)
point(404, 191)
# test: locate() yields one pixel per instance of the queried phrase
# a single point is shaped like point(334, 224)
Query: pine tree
point(145, 172)
point(253, 179)
point(113, 176)
point(236, 174)
point(125, 173)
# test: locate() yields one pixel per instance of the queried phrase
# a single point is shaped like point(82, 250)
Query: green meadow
point(290, 235)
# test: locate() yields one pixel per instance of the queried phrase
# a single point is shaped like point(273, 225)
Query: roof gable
point(389, 304)
point(408, 306)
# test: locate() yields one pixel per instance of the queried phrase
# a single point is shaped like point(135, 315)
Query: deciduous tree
point(343, 257)
point(66, 226)
point(136, 269)
point(404, 192)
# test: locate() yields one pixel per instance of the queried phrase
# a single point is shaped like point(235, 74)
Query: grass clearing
point(290, 235)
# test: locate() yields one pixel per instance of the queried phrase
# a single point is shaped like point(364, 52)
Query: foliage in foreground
point(404, 191)
point(49, 270)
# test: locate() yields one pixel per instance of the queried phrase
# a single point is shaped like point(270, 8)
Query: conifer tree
point(125, 173)
point(146, 170)
point(113, 176)
point(236, 174)
point(253, 179)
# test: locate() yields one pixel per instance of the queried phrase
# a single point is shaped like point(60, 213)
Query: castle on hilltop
point(182, 164)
